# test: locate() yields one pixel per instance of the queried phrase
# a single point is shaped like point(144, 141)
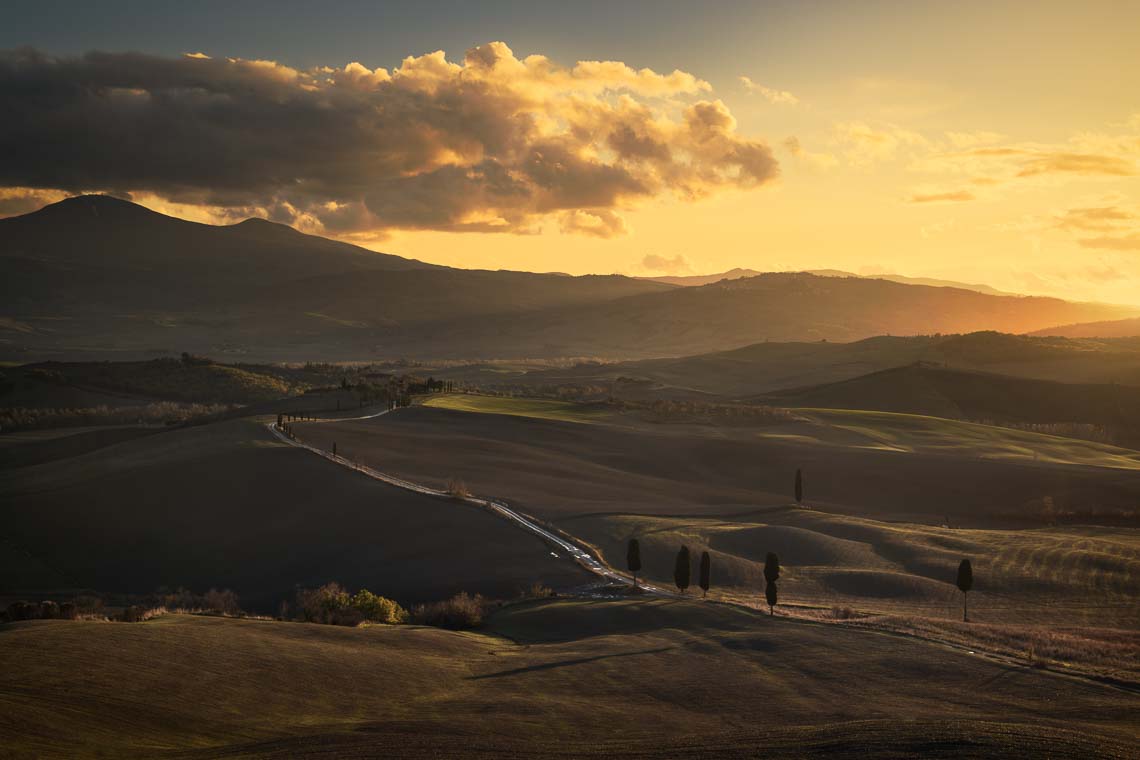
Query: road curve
point(576, 552)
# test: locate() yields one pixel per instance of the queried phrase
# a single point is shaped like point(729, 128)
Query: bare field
point(627, 465)
point(1057, 576)
point(578, 678)
point(226, 505)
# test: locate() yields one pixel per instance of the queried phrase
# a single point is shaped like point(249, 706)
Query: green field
point(543, 409)
point(913, 433)
point(555, 679)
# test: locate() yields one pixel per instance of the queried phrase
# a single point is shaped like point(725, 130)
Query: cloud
point(678, 265)
point(1105, 227)
point(864, 144)
point(775, 97)
point(598, 223)
point(1122, 243)
point(818, 160)
point(974, 138)
point(494, 143)
point(951, 196)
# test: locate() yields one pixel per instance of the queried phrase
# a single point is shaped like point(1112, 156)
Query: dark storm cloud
point(493, 144)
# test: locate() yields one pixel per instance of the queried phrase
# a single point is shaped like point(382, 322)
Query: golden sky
point(995, 143)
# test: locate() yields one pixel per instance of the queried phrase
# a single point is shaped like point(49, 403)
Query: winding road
point(575, 552)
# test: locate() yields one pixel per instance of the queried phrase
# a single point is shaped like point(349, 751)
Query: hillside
point(739, 273)
point(775, 307)
point(226, 505)
point(1119, 328)
point(958, 394)
point(558, 679)
point(772, 366)
point(94, 276)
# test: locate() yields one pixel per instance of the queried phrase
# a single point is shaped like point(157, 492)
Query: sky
point(993, 142)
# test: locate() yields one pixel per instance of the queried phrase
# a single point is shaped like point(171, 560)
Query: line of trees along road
point(682, 574)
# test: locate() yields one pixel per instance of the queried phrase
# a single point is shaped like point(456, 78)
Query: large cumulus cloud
point(495, 143)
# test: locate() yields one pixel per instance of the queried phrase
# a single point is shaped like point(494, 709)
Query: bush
point(49, 610)
point(224, 602)
point(377, 609)
point(457, 489)
point(332, 605)
point(23, 611)
point(459, 612)
point(68, 611)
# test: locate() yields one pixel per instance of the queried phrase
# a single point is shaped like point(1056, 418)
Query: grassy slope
point(766, 367)
point(930, 469)
point(1081, 576)
point(225, 505)
point(584, 678)
point(542, 409)
point(728, 489)
point(914, 433)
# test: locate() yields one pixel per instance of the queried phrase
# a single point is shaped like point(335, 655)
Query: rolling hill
point(97, 276)
point(739, 273)
point(226, 505)
point(1118, 328)
point(766, 367)
point(959, 394)
point(568, 678)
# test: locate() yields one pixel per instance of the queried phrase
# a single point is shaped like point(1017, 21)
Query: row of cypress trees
point(683, 566)
point(682, 574)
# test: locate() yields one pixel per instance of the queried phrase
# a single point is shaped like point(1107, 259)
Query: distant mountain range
point(1118, 328)
point(97, 276)
point(738, 273)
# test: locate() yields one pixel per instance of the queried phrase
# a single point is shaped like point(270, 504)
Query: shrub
point(23, 611)
point(224, 602)
point(68, 611)
point(537, 590)
point(332, 605)
point(49, 610)
point(459, 612)
point(377, 609)
point(457, 489)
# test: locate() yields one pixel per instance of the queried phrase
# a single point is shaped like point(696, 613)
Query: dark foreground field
point(227, 506)
point(553, 679)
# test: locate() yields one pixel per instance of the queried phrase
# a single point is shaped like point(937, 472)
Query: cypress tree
point(633, 558)
point(771, 575)
point(965, 583)
point(682, 571)
point(706, 566)
point(799, 487)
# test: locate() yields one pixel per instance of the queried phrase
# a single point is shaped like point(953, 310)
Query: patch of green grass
point(913, 433)
point(545, 409)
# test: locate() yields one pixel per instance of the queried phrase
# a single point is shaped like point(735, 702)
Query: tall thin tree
point(799, 487)
point(771, 575)
point(633, 559)
point(706, 566)
point(682, 570)
point(965, 583)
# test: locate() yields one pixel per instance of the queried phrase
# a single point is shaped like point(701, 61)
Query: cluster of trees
point(333, 605)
